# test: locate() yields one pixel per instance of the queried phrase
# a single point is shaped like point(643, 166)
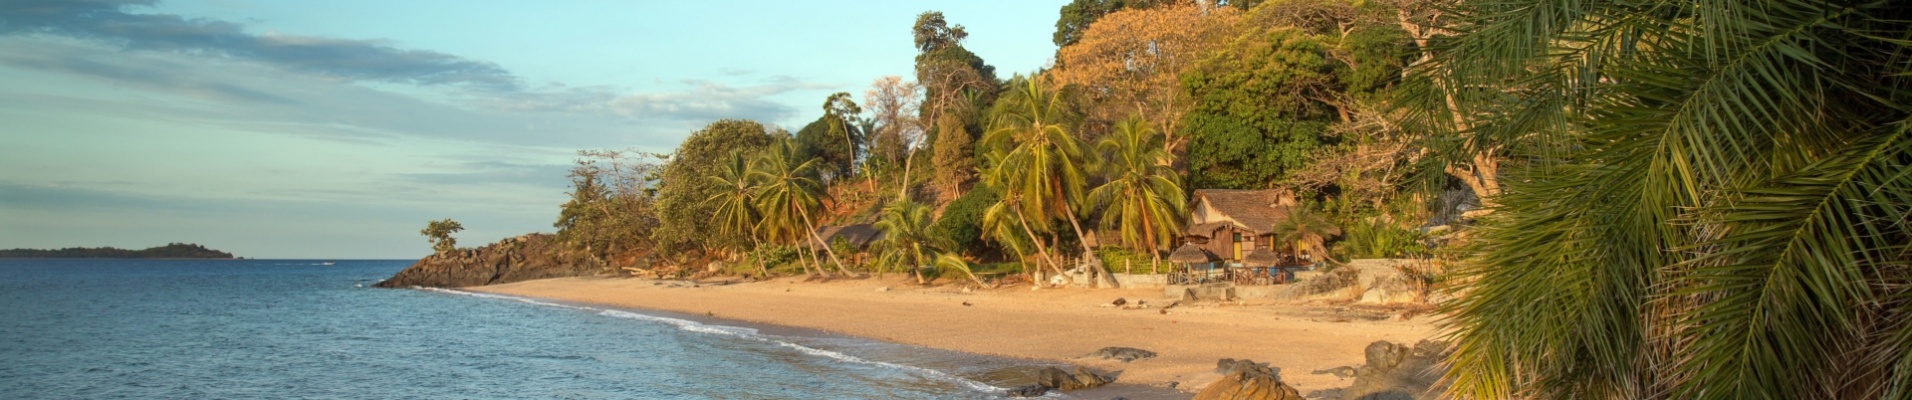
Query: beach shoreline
point(1061, 325)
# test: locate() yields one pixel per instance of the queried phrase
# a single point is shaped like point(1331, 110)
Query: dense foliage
point(683, 215)
point(1709, 201)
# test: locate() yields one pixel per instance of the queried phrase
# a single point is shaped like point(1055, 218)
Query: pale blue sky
point(335, 129)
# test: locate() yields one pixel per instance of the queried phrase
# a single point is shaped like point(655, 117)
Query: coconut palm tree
point(907, 241)
point(733, 192)
point(1040, 162)
point(1305, 231)
point(1712, 202)
point(1142, 192)
point(787, 190)
point(1007, 224)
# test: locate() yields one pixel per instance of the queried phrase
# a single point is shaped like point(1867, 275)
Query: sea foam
point(751, 334)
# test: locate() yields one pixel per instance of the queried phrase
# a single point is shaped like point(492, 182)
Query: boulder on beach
point(1248, 385)
point(1398, 372)
point(1125, 354)
point(1081, 378)
point(1229, 366)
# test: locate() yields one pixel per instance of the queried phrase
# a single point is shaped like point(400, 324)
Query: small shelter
point(859, 236)
point(1197, 264)
point(1264, 266)
point(1235, 223)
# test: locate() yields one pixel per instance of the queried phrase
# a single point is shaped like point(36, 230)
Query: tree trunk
point(1041, 251)
point(1101, 272)
point(826, 244)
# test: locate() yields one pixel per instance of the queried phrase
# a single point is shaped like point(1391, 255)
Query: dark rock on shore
point(1229, 366)
point(1397, 372)
point(1126, 354)
point(528, 257)
point(1082, 378)
point(1029, 391)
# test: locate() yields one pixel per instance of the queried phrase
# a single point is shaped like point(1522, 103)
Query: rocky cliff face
point(533, 256)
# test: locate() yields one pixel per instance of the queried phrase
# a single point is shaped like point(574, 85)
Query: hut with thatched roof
point(859, 236)
point(1234, 223)
point(1194, 264)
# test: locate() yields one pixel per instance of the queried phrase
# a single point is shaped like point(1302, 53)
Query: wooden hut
point(1261, 267)
point(859, 236)
point(1235, 223)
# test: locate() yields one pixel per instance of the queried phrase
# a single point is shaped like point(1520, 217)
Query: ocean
point(252, 329)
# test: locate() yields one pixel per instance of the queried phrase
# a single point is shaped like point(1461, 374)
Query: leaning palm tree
point(907, 242)
point(1007, 224)
point(1039, 161)
point(1142, 192)
point(1711, 201)
point(787, 190)
point(1304, 231)
point(733, 192)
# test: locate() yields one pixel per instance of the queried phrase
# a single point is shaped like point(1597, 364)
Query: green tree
point(1141, 192)
point(612, 206)
point(840, 112)
point(439, 233)
point(907, 241)
point(1710, 201)
point(953, 155)
point(1256, 113)
point(962, 220)
point(1305, 231)
point(1039, 166)
point(787, 192)
point(683, 214)
point(736, 213)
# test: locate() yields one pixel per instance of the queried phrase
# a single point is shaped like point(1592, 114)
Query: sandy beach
point(1052, 324)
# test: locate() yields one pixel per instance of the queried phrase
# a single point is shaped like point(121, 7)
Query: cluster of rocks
point(522, 258)
point(1398, 372)
point(1053, 378)
point(1247, 380)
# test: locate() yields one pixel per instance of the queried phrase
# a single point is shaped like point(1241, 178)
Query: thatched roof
point(1190, 253)
point(1261, 258)
point(1256, 210)
point(859, 235)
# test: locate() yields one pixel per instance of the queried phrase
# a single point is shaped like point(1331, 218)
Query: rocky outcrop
point(1249, 384)
point(1082, 378)
point(1029, 391)
point(1397, 372)
point(533, 256)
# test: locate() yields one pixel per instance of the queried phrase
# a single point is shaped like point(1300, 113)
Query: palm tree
point(1005, 222)
point(734, 193)
point(906, 241)
point(787, 190)
point(1039, 160)
point(1143, 192)
point(1713, 202)
point(1305, 231)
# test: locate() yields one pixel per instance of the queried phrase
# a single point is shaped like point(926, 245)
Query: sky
point(336, 129)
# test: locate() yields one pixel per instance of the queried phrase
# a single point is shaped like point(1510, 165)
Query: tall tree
point(1039, 161)
point(1258, 109)
point(1141, 191)
point(840, 115)
point(1710, 199)
point(892, 101)
point(735, 198)
point(683, 214)
point(947, 71)
point(788, 191)
point(1130, 62)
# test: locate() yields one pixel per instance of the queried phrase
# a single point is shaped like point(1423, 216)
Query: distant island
point(170, 250)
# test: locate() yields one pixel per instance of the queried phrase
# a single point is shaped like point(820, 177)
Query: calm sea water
point(193, 329)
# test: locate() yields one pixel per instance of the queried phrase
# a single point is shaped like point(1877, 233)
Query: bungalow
point(859, 236)
point(1232, 224)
